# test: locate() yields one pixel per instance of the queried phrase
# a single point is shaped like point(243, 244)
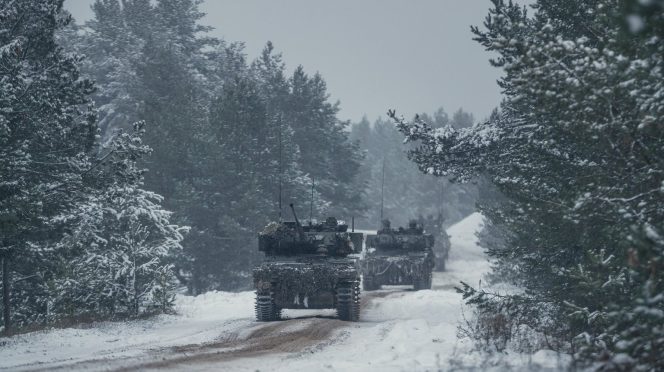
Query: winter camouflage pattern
point(291, 239)
point(398, 257)
point(308, 267)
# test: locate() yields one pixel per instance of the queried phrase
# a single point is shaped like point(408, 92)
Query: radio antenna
point(280, 168)
point(311, 204)
point(382, 190)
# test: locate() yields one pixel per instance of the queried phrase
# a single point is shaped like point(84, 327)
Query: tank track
point(423, 282)
point(348, 301)
point(266, 309)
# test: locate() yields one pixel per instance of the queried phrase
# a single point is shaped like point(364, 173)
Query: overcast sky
point(411, 55)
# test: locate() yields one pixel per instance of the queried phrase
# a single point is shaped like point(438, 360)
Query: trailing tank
point(441, 251)
point(442, 245)
point(400, 256)
point(308, 267)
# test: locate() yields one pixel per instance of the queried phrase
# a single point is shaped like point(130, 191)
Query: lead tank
point(400, 256)
point(308, 267)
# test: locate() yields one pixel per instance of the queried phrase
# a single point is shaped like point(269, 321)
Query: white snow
point(400, 330)
point(200, 319)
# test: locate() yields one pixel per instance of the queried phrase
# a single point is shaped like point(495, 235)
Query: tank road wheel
point(423, 282)
point(266, 310)
point(348, 301)
point(370, 283)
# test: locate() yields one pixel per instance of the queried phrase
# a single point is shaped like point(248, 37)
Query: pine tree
point(407, 194)
point(120, 252)
point(65, 201)
point(47, 131)
point(574, 151)
point(326, 153)
point(217, 169)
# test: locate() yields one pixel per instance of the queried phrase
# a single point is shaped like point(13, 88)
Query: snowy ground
point(400, 330)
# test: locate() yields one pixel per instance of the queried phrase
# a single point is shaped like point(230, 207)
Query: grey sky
point(414, 56)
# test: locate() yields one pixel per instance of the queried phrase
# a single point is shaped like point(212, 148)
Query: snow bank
point(467, 261)
point(200, 319)
point(216, 305)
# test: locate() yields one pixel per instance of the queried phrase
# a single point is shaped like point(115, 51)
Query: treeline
point(394, 182)
point(225, 132)
point(142, 98)
point(80, 235)
point(576, 152)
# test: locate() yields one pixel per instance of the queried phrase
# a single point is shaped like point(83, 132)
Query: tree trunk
point(5, 294)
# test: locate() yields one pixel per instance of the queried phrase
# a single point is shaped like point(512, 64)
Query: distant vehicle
point(442, 245)
point(398, 257)
point(308, 267)
point(441, 251)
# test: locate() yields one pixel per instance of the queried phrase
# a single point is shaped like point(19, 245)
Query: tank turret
point(292, 238)
point(411, 238)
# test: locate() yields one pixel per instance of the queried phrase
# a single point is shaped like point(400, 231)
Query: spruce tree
point(47, 132)
point(326, 153)
point(120, 250)
point(575, 152)
point(218, 170)
point(407, 194)
point(65, 201)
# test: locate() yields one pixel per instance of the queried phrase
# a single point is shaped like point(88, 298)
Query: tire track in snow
point(298, 337)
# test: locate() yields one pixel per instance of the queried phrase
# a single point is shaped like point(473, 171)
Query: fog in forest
point(344, 185)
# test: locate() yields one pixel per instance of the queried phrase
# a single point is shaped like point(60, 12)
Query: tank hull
point(306, 284)
point(320, 283)
point(412, 269)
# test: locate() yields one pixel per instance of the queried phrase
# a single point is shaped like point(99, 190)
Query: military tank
point(400, 256)
point(308, 267)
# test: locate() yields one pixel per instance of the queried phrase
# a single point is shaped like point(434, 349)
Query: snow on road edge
point(399, 330)
point(200, 319)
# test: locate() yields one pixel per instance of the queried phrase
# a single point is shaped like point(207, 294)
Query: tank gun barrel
point(300, 231)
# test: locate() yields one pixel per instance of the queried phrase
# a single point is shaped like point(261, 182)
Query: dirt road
point(300, 335)
point(399, 330)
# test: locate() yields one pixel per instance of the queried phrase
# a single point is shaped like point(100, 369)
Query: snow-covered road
point(400, 330)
